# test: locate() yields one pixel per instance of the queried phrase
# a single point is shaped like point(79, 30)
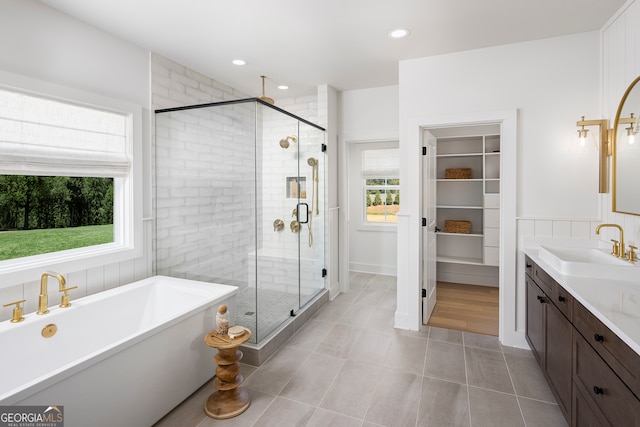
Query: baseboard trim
point(387, 270)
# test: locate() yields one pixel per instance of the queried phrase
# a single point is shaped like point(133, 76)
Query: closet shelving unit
point(476, 199)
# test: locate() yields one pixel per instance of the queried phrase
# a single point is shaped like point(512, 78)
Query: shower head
point(312, 161)
point(286, 141)
point(263, 97)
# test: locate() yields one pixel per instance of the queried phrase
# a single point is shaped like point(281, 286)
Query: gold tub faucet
point(621, 253)
point(43, 299)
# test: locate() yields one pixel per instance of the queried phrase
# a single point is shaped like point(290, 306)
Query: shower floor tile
point(273, 308)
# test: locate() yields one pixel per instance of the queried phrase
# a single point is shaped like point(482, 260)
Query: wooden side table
point(230, 399)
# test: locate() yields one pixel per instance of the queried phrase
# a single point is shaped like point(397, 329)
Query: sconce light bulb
point(631, 139)
point(582, 136)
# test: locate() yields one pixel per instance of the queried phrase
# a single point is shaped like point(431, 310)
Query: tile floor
point(348, 367)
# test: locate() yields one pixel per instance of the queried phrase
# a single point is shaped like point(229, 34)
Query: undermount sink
point(588, 262)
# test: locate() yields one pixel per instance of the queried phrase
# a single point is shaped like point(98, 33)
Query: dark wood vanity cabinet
point(549, 333)
point(594, 375)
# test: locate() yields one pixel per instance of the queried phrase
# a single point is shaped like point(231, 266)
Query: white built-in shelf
point(458, 207)
point(466, 199)
point(460, 260)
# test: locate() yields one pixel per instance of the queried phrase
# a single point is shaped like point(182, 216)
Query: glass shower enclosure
point(240, 200)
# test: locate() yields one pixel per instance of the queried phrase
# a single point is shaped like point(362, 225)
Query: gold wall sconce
point(604, 148)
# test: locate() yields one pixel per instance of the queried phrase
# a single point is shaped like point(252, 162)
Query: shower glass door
point(279, 186)
point(291, 216)
point(311, 164)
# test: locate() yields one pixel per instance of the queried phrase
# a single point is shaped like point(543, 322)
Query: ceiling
point(342, 43)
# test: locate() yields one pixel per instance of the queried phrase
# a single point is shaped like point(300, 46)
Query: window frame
point(364, 224)
point(128, 197)
point(387, 187)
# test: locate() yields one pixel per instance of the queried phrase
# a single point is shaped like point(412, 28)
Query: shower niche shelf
point(296, 187)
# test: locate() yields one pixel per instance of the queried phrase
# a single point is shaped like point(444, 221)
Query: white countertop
point(616, 303)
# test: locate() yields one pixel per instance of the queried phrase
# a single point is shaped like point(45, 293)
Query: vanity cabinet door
point(584, 414)
point(624, 361)
point(528, 266)
point(601, 387)
point(543, 279)
point(558, 352)
point(535, 320)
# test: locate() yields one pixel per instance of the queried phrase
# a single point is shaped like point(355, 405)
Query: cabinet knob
point(561, 298)
point(541, 299)
point(597, 390)
point(529, 265)
point(598, 337)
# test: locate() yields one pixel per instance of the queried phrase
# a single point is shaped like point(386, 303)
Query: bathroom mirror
point(626, 155)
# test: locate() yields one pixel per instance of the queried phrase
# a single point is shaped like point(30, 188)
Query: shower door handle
point(303, 213)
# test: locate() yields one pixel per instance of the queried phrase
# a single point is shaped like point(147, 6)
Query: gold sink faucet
point(43, 299)
point(621, 253)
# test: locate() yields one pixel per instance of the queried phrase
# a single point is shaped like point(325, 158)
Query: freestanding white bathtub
point(126, 356)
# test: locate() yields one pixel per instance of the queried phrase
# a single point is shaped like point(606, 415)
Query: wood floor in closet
point(468, 308)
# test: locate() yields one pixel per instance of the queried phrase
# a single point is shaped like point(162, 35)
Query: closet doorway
point(461, 233)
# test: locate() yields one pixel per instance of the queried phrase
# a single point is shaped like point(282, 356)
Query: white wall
point(367, 115)
point(621, 65)
point(41, 43)
point(551, 83)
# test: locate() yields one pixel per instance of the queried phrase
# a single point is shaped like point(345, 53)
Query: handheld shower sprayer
point(313, 162)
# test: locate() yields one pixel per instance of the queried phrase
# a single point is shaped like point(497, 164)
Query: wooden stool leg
point(230, 400)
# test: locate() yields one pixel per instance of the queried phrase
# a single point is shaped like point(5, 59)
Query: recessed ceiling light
point(239, 62)
point(283, 87)
point(399, 33)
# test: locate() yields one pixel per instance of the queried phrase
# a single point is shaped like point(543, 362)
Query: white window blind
point(381, 163)
point(40, 136)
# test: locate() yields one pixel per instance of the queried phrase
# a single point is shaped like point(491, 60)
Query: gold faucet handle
point(632, 253)
point(65, 298)
point(616, 247)
point(17, 311)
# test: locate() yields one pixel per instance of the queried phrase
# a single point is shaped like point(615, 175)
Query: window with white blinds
point(381, 163)
point(40, 136)
point(70, 179)
point(380, 173)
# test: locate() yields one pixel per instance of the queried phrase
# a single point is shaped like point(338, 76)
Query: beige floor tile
point(311, 334)
point(445, 335)
point(274, 375)
point(443, 404)
point(490, 409)
point(313, 379)
point(353, 388)
point(445, 361)
point(406, 354)
point(395, 401)
point(541, 414)
point(331, 311)
point(528, 379)
point(486, 342)
point(382, 320)
point(284, 413)
point(357, 315)
point(259, 404)
point(338, 341)
point(324, 418)
point(369, 347)
point(487, 369)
